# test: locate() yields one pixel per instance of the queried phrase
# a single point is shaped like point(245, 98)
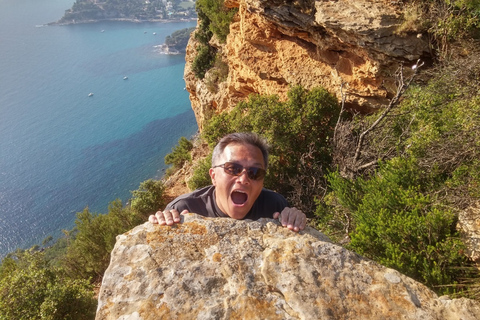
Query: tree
point(148, 198)
point(180, 153)
point(31, 289)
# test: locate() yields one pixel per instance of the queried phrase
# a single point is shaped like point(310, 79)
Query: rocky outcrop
point(469, 227)
point(230, 269)
point(275, 44)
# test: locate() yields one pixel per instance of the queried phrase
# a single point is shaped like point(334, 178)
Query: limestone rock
point(229, 269)
point(469, 226)
point(275, 44)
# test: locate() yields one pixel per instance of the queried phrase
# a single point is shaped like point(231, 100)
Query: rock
point(273, 45)
point(469, 227)
point(231, 269)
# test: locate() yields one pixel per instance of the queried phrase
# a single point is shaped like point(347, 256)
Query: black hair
point(241, 138)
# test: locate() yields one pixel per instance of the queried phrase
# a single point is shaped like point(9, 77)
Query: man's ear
point(211, 172)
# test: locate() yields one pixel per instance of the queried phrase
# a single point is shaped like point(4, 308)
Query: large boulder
point(231, 269)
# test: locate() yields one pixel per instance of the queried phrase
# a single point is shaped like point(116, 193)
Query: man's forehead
point(230, 152)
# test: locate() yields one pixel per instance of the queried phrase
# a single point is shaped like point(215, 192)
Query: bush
point(401, 226)
point(31, 289)
point(217, 74)
point(93, 238)
point(180, 153)
point(201, 177)
point(148, 198)
point(203, 61)
point(218, 15)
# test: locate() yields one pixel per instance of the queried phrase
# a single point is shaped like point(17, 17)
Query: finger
point(276, 215)
point(300, 221)
point(175, 216)
point(160, 218)
point(152, 219)
point(292, 217)
point(304, 221)
point(168, 216)
point(285, 216)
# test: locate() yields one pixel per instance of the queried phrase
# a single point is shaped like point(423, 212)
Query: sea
point(87, 112)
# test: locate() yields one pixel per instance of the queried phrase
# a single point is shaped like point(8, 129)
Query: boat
point(102, 31)
point(125, 78)
point(90, 94)
point(154, 33)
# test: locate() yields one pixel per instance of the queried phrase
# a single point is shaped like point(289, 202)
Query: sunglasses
point(236, 169)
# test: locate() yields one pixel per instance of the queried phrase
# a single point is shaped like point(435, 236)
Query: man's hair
point(241, 138)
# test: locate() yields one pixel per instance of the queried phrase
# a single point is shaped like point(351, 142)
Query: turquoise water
point(61, 150)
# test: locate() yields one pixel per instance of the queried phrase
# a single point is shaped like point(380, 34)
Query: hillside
point(372, 111)
point(86, 11)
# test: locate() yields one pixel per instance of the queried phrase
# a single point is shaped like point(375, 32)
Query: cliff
point(275, 44)
point(232, 269)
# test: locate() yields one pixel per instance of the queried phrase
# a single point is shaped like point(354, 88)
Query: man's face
point(235, 196)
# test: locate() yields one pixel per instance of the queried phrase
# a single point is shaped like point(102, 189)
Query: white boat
point(154, 33)
point(125, 78)
point(90, 94)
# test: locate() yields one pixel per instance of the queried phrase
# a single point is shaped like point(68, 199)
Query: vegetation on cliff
point(57, 281)
point(215, 19)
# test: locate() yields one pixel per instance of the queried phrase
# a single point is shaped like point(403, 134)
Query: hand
point(292, 218)
point(166, 217)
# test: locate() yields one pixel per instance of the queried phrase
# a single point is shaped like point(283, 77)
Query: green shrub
point(201, 177)
point(203, 61)
point(217, 74)
point(180, 153)
point(214, 18)
point(399, 225)
point(203, 33)
point(93, 238)
point(218, 15)
point(31, 289)
point(148, 198)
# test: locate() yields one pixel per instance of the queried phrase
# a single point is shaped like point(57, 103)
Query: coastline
point(57, 23)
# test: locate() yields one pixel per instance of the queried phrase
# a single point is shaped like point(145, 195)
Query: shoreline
point(57, 23)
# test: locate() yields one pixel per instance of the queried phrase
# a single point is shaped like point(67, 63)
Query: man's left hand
point(292, 218)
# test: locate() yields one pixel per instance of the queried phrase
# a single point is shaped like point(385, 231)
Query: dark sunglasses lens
point(256, 173)
point(233, 168)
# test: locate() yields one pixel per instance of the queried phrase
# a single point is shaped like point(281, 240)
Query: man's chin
point(238, 213)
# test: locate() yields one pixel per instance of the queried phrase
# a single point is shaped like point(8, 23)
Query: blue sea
point(61, 150)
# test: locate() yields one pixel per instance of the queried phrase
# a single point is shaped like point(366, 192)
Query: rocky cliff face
point(232, 269)
point(275, 44)
point(469, 227)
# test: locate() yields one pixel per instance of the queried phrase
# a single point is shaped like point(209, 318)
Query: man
point(239, 164)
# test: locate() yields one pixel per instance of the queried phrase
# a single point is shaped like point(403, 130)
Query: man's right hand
point(166, 217)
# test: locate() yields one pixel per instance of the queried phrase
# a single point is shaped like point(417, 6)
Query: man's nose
point(243, 177)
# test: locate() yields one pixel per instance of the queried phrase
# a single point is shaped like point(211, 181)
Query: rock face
point(229, 269)
point(469, 227)
point(275, 44)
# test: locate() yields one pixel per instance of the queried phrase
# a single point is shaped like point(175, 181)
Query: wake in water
point(164, 49)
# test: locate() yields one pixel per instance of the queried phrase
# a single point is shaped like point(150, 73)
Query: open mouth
point(239, 197)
